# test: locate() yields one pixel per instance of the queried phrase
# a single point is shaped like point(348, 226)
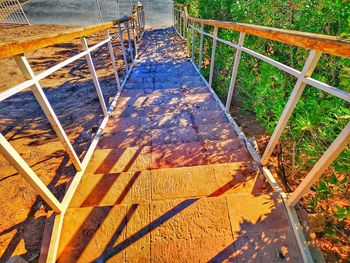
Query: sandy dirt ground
point(72, 95)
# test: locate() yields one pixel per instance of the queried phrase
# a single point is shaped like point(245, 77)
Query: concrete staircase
point(171, 181)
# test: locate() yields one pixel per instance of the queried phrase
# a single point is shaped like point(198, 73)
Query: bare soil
point(72, 95)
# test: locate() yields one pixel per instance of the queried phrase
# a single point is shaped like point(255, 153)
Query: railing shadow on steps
point(317, 44)
point(135, 25)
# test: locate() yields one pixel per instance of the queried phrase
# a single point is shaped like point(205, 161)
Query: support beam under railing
point(339, 144)
point(201, 48)
point(212, 60)
point(94, 77)
point(44, 103)
point(134, 37)
point(130, 48)
point(299, 87)
point(123, 47)
point(193, 40)
point(111, 54)
point(180, 24)
point(234, 71)
point(24, 169)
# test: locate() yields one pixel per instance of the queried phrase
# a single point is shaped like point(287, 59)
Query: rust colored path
point(170, 180)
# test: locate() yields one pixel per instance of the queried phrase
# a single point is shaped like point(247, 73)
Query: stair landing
point(171, 181)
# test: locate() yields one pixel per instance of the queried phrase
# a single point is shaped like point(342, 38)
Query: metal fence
point(11, 12)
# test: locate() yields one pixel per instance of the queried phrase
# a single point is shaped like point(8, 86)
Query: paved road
point(159, 12)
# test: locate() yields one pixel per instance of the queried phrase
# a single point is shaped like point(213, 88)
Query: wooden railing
point(134, 23)
point(317, 44)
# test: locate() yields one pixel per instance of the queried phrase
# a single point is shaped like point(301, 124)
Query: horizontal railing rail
point(317, 44)
point(16, 50)
point(30, 44)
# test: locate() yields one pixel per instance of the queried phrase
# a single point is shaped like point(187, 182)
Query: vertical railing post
point(99, 10)
point(178, 20)
point(201, 47)
point(134, 36)
point(39, 94)
point(111, 54)
point(139, 19)
point(188, 38)
point(174, 15)
point(134, 16)
point(123, 47)
point(130, 48)
point(184, 23)
point(187, 32)
point(24, 169)
point(174, 12)
point(180, 24)
point(175, 18)
point(234, 71)
point(299, 87)
point(213, 52)
point(143, 19)
point(193, 40)
point(94, 77)
point(339, 144)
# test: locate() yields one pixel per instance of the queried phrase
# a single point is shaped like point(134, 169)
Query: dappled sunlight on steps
point(170, 180)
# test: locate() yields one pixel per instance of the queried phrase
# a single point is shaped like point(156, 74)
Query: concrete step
point(133, 93)
point(169, 183)
point(165, 120)
point(199, 153)
point(239, 227)
point(141, 158)
point(164, 103)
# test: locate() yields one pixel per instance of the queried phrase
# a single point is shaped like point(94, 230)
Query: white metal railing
point(182, 24)
point(124, 25)
point(32, 82)
point(11, 12)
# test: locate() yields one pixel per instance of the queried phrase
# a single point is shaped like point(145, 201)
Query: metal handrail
point(317, 44)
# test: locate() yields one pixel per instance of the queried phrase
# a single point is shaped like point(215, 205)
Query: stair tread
point(166, 104)
point(112, 139)
point(141, 158)
point(185, 222)
point(168, 183)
